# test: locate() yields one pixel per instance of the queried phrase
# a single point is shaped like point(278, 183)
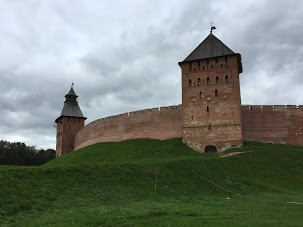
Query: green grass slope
point(113, 184)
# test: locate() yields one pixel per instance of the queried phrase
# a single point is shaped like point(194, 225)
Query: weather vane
point(212, 27)
point(72, 83)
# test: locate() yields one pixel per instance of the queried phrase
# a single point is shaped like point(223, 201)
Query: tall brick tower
point(211, 97)
point(69, 123)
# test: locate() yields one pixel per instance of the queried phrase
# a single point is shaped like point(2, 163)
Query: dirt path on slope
point(233, 153)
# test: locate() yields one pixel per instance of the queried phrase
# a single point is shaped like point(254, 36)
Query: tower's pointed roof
point(72, 92)
point(210, 47)
point(71, 107)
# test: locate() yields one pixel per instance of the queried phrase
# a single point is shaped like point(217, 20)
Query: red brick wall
point(273, 124)
point(268, 125)
point(221, 126)
point(156, 123)
point(67, 128)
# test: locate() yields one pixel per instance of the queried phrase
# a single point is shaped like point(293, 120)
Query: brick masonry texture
point(67, 128)
point(270, 124)
point(273, 124)
point(211, 103)
point(156, 123)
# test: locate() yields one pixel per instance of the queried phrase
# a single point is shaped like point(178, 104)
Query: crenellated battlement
point(273, 123)
point(158, 123)
point(272, 107)
point(155, 110)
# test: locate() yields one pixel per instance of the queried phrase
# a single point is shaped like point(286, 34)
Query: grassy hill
point(113, 184)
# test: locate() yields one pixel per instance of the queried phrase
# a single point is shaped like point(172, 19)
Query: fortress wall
point(155, 123)
point(295, 126)
point(268, 123)
point(273, 124)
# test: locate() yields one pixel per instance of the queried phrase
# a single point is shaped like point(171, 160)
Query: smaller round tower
point(70, 122)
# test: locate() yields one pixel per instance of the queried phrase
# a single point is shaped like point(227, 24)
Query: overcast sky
point(123, 55)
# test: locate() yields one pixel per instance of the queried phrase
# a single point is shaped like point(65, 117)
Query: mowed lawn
point(145, 182)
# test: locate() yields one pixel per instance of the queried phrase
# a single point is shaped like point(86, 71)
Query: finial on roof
point(72, 83)
point(212, 27)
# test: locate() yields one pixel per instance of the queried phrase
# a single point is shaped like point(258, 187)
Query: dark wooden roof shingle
point(210, 47)
point(71, 107)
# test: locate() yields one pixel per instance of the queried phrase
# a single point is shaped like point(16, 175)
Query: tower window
point(216, 93)
point(221, 66)
point(190, 66)
point(203, 67)
point(207, 62)
point(208, 80)
point(226, 64)
point(189, 82)
point(226, 79)
point(199, 65)
point(200, 94)
point(217, 79)
point(209, 127)
point(212, 66)
point(199, 81)
point(216, 62)
point(207, 108)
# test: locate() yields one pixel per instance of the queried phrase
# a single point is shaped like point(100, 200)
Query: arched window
point(216, 62)
point(199, 65)
point(207, 108)
point(200, 94)
point(210, 149)
point(199, 81)
point(189, 82)
point(226, 79)
point(226, 64)
point(208, 80)
point(216, 93)
point(217, 79)
point(207, 62)
point(190, 66)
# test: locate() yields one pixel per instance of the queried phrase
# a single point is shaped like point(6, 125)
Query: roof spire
point(72, 83)
point(71, 107)
point(212, 27)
